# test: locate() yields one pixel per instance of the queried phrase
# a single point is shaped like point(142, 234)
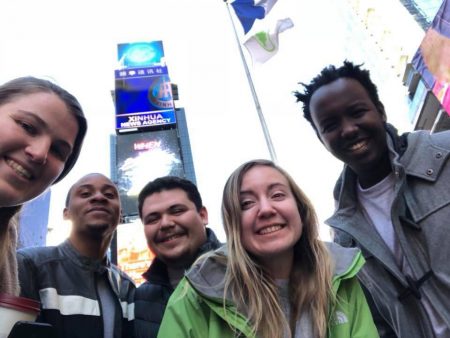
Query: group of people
point(384, 274)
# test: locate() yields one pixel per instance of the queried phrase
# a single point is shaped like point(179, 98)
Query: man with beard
point(81, 293)
point(174, 220)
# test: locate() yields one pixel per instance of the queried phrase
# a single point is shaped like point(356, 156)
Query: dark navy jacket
point(152, 296)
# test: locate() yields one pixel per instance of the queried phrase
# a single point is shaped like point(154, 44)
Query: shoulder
point(123, 275)
point(152, 292)
point(38, 254)
point(439, 139)
point(346, 261)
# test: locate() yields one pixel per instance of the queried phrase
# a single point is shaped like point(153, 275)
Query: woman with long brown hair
point(42, 130)
point(275, 278)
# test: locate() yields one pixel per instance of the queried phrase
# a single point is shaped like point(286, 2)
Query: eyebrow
point(91, 186)
point(270, 187)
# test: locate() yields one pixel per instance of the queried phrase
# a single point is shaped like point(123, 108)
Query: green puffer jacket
point(196, 310)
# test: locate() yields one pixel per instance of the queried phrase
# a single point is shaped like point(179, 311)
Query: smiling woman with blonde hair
point(275, 278)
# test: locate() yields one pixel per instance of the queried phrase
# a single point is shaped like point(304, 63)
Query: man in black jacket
point(82, 294)
point(174, 220)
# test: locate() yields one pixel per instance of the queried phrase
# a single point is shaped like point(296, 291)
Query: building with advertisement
point(151, 140)
point(397, 28)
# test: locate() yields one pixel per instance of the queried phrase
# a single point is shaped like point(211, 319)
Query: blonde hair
point(252, 288)
point(8, 246)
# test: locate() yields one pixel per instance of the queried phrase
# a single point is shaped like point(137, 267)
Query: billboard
point(432, 59)
point(140, 54)
point(142, 157)
point(143, 98)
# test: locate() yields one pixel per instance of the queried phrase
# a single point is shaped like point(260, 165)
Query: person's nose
point(266, 208)
point(98, 196)
point(38, 149)
point(348, 128)
point(166, 222)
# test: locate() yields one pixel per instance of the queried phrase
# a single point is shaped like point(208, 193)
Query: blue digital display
point(142, 94)
point(140, 54)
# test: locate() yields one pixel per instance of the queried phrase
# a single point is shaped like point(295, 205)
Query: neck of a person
point(279, 267)
point(175, 274)
point(91, 247)
point(371, 176)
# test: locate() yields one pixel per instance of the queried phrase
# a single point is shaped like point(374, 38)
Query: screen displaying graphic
point(140, 54)
point(133, 255)
point(432, 59)
point(141, 92)
point(142, 157)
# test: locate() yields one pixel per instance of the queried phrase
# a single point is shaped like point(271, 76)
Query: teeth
point(18, 168)
point(358, 145)
point(171, 238)
point(270, 229)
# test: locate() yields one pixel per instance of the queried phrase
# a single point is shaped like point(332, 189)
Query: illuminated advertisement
point(140, 54)
point(432, 59)
point(142, 157)
point(133, 255)
point(143, 97)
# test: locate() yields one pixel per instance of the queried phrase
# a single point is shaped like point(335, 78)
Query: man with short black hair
point(174, 220)
point(392, 201)
point(81, 293)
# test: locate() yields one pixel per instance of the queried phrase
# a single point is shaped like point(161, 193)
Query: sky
point(74, 44)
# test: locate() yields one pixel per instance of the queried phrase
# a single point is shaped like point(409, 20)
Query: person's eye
point(246, 204)
point(177, 211)
point(151, 220)
point(358, 113)
point(85, 194)
point(328, 127)
point(60, 153)
point(28, 127)
point(110, 195)
point(278, 195)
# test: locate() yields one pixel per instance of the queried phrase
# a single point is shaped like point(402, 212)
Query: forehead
point(338, 92)
point(262, 176)
point(95, 181)
point(166, 198)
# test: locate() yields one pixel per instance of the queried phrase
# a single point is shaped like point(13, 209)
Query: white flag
point(263, 45)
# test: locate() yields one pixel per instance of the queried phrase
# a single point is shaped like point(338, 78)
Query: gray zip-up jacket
point(421, 220)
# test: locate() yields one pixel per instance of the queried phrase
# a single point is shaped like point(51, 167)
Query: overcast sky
point(74, 43)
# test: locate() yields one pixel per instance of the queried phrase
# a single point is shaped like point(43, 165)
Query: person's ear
point(204, 215)
point(381, 110)
point(66, 214)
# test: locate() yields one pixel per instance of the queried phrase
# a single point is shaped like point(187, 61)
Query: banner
point(264, 45)
point(247, 11)
point(432, 59)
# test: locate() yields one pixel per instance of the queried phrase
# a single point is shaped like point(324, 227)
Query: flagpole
point(273, 155)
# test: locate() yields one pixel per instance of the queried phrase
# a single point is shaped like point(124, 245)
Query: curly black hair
point(330, 74)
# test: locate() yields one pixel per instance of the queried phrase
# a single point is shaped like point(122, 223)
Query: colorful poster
point(432, 59)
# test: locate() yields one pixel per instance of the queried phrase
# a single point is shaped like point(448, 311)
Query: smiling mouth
point(100, 210)
point(270, 229)
point(359, 146)
point(171, 238)
point(21, 171)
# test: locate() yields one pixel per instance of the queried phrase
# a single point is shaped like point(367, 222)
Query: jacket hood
point(207, 274)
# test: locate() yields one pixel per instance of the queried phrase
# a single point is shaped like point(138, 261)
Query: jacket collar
point(85, 262)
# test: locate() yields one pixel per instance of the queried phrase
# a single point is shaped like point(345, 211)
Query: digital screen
point(143, 98)
point(140, 54)
point(143, 93)
point(142, 157)
point(145, 120)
